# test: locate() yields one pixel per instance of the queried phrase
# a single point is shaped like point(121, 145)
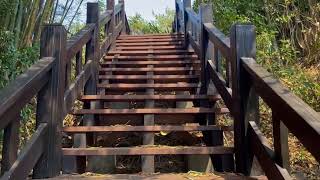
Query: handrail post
point(92, 49)
point(177, 28)
point(123, 17)
point(50, 100)
point(111, 26)
point(186, 4)
point(205, 13)
point(245, 101)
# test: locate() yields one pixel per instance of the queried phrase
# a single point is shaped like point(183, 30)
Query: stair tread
point(119, 47)
point(150, 51)
point(158, 57)
point(150, 36)
point(160, 176)
point(145, 77)
point(149, 43)
point(147, 150)
point(150, 40)
point(152, 111)
point(166, 86)
point(125, 128)
point(148, 62)
point(148, 97)
point(150, 69)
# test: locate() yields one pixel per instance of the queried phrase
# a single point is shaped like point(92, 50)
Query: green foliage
point(288, 42)
point(13, 61)
point(161, 24)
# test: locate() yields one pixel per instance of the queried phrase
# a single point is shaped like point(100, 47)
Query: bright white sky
point(146, 7)
point(143, 7)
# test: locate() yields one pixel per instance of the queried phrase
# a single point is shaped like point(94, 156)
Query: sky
point(143, 7)
point(146, 7)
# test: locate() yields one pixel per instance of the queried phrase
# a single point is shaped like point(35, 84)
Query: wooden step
point(159, 36)
point(145, 52)
point(156, 78)
point(132, 48)
point(123, 128)
point(159, 176)
point(179, 150)
point(143, 71)
point(162, 63)
point(149, 40)
point(142, 98)
point(167, 111)
point(154, 57)
point(176, 43)
point(157, 87)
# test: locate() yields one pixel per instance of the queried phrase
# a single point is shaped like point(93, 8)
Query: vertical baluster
point(78, 62)
point(10, 144)
point(205, 14)
point(280, 139)
point(123, 17)
point(186, 4)
point(111, 25)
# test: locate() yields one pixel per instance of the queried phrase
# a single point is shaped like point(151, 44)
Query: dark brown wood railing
point(50, 80)
point(229, 63)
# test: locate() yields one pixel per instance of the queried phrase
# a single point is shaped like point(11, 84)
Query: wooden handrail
point(298, 117)
point(248, 82)
point(19, 92)
point(50, 81)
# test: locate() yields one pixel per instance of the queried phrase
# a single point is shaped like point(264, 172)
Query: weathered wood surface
point(120, 98)
point(146, 151)
point(154, 128)
point(29, 156)
point(298, 114)
point(152, 111)
point(260, 147)
point(25, 87)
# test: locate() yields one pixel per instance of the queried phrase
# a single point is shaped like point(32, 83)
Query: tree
point(161, 24)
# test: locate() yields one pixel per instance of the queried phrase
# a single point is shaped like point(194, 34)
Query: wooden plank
point(220, 84)
point(195, 45)
point(172, 63)
point(298, 114)
point(156, 78)
point(219, 40)
point(105, 17)
point(126, 98)
point(82, 129)
point(280, 142)
point(146, 151)
point(147, 162)
point(166, 87)
point(148, 40)
point(150, 36)
point(157, 71)
point(77, 41)
point(260, 147)
point(28, 156)
point(137, 48)
point(176, 43)
point(10, 144)
point(151, 111)
point(155, 57)
point(151, 51)
point(19, 92)
point(75, 89)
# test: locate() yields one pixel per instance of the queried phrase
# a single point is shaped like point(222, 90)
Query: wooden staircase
point(151, 69)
